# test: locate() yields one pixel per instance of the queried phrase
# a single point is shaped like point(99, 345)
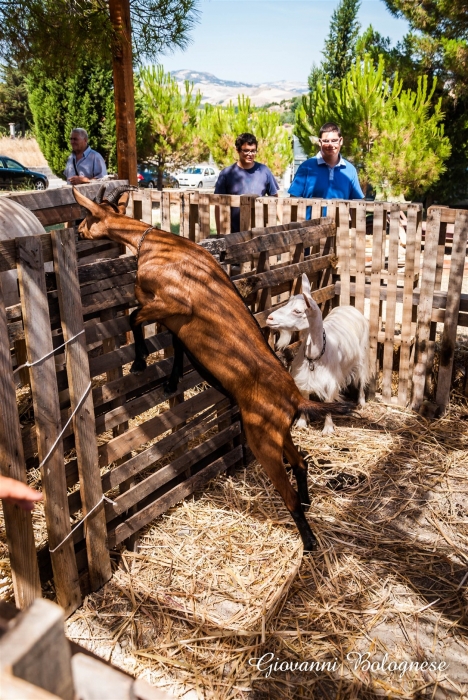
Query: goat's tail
point(315, 410)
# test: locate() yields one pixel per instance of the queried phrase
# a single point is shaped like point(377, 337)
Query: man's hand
point(78, 180)
point(18, 493)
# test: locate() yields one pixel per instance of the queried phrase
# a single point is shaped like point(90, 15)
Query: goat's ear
point(123, 201)
point(306, 293)
point(94, 209)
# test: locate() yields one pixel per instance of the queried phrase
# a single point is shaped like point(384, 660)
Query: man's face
point(78, 143)
point(247, 153)
point(330, 143)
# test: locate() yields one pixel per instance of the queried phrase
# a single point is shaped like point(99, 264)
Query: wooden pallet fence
point(38, 662)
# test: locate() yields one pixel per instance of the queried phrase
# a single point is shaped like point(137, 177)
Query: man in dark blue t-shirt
point(244, 177)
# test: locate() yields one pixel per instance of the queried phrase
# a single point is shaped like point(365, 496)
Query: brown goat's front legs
point(141, 351)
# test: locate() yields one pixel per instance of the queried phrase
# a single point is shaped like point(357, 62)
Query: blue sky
point(258, 41)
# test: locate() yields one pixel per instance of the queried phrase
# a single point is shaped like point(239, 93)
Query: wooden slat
point(166, 474)
point(66, 271)
point(224, 215)
point(185, 214)
point(152, 511)
point(133, 438)
point(245, 212)
point(425, 306)
point(279, 242)
point(47, 418)
point(449, 336)
point(360, 209)
point(343, 246)
point(18, 522)
point(407, 311)
point(203, 216)
point(256, 282)
point(390, 311)
point(147, 207)
point(165, 211)
point(374, 320)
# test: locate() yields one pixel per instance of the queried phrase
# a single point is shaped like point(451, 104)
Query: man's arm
point(356, 191)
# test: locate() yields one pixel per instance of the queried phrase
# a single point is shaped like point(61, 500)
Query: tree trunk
point(122, 67)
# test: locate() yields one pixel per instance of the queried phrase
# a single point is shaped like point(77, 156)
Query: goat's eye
point(298, 312)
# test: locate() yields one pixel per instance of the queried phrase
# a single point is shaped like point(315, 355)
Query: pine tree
point(339, 51)
point(222, 125)
point(173, 119)
point(14, 106)
point(393, 136)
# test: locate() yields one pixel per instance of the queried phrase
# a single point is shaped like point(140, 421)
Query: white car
point(198, 176)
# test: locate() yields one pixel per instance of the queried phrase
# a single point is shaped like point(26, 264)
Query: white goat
point(333, 353)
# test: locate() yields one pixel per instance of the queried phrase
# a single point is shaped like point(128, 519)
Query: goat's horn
point(113, 196)
point(100, 194)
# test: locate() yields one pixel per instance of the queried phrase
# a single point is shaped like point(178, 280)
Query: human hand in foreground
point(16, 492)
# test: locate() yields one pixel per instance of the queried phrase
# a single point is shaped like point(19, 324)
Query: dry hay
point(390, 576)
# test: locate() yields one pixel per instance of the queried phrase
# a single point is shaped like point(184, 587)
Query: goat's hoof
point(138, 366)
point(328, 431)
point(310, 546)
point(301, 423)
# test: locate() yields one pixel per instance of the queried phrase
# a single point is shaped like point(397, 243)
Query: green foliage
point(173, 119)
point(339, 51)
point(60, 34)
point(14, 105)
point(393, 136)
point(222, 125)
point(60, 104)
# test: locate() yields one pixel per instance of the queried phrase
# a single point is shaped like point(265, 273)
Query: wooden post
point(44, 388)
point(122, 68)
point(18, 523)
point(66, 271)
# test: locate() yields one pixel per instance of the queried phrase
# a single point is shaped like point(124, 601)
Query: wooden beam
point(122, 67)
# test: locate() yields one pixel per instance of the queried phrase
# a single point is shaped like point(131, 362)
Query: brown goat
point(181, 285)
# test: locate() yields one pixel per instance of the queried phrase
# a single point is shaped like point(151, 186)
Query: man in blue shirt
point(327, 175)
point(244, 177)
point(84, 164)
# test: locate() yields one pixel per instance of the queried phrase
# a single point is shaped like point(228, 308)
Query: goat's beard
point(283, 340)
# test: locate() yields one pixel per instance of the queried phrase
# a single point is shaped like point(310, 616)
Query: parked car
point(198, 176)
point(148, 176)
point(14, 175)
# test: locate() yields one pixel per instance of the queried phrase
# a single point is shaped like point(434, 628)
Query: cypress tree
point(340, 45)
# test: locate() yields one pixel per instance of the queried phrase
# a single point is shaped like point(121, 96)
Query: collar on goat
point(141, 241)
point(313, 360)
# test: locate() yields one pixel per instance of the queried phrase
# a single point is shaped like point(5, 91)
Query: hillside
point(218, 91)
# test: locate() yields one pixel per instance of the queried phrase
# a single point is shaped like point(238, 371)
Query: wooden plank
point(133, 438)
point(407, 311)
point(194, 483)
point(165, 211)
point(35, 645)
point(374, 320)
point(18, 522)
point(203, 422)
point(17, 689)
point(425, 306)
point(185, 214)
point(130, 409)
point(343, 246)
point(104, 269)
point(224, 214)
point(203, 216)
point(279, 241)
point(147, 207)
point(167, 473)
point(360, 209)
point(390, 310)
point(245, 212)
point(47, 417)
point(252, 284)
point(449, 335)
point(79, 380)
